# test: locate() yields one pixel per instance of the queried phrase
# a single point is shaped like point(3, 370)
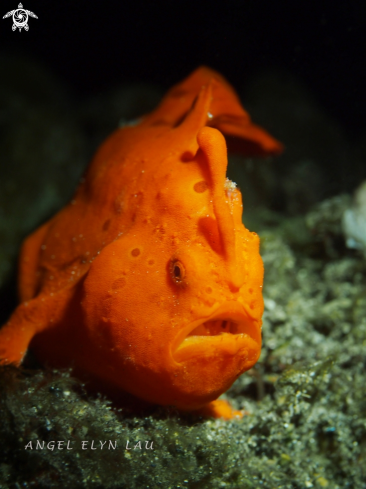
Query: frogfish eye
point(177, 271)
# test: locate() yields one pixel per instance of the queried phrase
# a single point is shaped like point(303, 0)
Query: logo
point(20, 17)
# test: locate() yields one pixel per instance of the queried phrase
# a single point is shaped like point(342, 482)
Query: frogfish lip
point(227, 330)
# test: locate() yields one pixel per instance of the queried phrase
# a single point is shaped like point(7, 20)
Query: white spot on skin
point(229, 185)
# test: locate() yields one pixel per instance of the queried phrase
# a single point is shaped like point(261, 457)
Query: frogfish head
point(174, 305)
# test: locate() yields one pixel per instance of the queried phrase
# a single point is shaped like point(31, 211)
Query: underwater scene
point(182, 247)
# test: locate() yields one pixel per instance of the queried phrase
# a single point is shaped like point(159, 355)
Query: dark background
point(93, 46)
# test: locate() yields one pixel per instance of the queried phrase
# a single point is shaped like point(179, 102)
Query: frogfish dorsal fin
point(225, 113)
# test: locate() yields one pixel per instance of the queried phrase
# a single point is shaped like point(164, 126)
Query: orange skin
point(147, 281)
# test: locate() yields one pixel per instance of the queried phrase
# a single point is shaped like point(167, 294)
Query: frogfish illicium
point(147, 282)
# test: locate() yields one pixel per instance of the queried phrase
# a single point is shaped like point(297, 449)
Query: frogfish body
point(147, 281)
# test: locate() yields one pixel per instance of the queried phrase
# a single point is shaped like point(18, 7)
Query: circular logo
point(20, 18)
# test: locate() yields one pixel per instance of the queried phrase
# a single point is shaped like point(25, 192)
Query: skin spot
point(208, 290)
point(106, 225)
point(119, 283)
point(200, 187)
point(135, 252)
point(250, 291)
point(151, 262)
point(160, 231)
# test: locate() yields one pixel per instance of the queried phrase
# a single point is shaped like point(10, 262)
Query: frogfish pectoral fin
point(28, 319)
point(17, 333)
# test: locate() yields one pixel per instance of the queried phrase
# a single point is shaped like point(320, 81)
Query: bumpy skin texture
point(148, 282)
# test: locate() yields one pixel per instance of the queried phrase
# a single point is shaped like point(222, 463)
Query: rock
point(354, 220)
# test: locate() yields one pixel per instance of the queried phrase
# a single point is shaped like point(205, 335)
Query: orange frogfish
point(147, 281)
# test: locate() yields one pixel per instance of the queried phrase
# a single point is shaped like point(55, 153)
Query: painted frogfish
point(147, 282)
